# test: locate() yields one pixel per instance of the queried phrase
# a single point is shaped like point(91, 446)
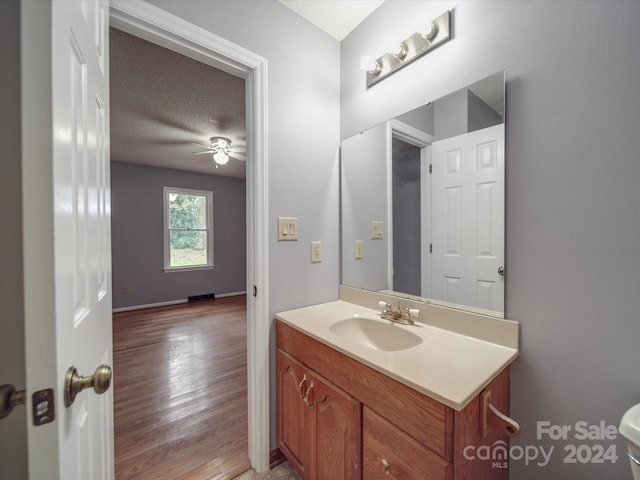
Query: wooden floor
point(180, 387)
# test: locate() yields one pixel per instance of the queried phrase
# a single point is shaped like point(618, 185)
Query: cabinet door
point(336, 432)
point(294, 417)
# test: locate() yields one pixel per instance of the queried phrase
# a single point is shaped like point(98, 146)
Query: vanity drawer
point(384, 444)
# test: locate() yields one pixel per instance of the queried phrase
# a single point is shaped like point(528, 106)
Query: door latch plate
point(43, 407)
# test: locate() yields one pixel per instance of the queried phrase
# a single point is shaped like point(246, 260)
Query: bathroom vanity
point(365, 398)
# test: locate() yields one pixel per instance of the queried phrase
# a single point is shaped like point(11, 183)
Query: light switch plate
point(359, 249)
point(376, 230)
point(287, 228)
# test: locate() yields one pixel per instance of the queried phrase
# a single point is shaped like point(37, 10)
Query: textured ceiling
point(335, 17)
point(162, 101)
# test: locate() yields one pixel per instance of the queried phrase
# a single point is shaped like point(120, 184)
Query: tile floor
point(281, 472)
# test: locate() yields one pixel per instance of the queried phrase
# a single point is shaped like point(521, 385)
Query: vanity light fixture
point(370, 65)
point(430, 32)
point(399, 51)
point(435, 34)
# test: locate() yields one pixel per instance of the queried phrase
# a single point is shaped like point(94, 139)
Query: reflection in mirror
point(435, 176)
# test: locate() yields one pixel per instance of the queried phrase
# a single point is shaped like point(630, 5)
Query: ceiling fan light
point(220, 157)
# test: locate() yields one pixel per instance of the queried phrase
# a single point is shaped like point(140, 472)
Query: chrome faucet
point(403, 316)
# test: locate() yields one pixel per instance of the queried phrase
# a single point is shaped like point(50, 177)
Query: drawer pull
point(306, 397)
point(386, 465)
point(301, 385)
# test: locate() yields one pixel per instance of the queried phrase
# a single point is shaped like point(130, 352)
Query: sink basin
point(375, 334)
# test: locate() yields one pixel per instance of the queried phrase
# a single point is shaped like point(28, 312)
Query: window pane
point(187, 211)
point(187, 248)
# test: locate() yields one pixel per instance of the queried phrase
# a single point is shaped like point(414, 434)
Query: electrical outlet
point(376, 230)
point(125, 289)
point(359, 249)
point(316, 252)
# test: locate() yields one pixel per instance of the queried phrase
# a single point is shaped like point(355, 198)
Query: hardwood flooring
point(180, 391)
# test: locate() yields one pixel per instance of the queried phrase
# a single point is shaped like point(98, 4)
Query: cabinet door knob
point(386, 465)
point(306, 397)
point(301, 385)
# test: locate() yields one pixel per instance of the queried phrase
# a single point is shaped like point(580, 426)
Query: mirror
point(422, 202)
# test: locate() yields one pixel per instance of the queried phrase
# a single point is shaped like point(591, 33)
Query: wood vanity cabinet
point(318, 424)
point(364, 425)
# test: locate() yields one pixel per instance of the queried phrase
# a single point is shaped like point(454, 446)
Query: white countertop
point(449, 367)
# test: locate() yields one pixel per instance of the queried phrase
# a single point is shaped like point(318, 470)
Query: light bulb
point(220, 157)
point(370, 65)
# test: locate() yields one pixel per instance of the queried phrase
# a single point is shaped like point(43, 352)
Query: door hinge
point(255, 291)
point(431, 248)
point(430, 168)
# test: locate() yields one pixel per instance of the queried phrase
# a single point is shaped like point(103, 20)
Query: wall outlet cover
point(376, 230)
point(316, 252)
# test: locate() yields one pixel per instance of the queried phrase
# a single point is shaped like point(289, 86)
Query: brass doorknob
point(10, 398)
point(74, 383)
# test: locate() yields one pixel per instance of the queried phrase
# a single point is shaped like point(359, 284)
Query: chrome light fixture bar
point(435, 34)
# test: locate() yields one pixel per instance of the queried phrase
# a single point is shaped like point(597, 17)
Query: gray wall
point(137, 236)
point(364, 199)
point(572, 191)
point(13, 442)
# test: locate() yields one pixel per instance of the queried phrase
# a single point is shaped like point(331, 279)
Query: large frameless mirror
point(422, 202)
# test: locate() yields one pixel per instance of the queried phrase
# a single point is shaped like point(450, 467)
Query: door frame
point(162, 28)
point(417, 138)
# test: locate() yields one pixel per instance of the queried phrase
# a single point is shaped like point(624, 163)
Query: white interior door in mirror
point(468, 224)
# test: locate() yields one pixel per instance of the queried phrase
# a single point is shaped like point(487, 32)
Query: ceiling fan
point(221, 150)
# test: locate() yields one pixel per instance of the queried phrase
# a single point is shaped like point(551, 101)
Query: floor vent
point(200, 298)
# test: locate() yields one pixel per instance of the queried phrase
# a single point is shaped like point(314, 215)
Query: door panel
point(67, 241)
point(294, 418)
point(337, 433)
point(468, 245)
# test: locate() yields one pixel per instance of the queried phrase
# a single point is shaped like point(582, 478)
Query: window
point(188, 229)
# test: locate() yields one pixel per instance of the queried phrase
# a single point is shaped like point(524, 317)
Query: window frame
point(167, 191)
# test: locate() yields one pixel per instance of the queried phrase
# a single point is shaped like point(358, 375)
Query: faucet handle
point(414, 312)
point(383, 304)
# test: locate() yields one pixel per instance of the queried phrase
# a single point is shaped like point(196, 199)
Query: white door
point(468, 218)
point(66, 216)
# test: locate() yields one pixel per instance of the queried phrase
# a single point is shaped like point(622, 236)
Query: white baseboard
point(232, 294)
point(165, 304)
point(149, 305)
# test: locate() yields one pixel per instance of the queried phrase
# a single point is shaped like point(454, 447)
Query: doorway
point(407, 217)
point(180, 407)
point(159, 27)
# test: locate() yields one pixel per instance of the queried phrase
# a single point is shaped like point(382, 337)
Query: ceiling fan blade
point(203, 145)
point(237, 156)
point(202, 153)
point(239, 149)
